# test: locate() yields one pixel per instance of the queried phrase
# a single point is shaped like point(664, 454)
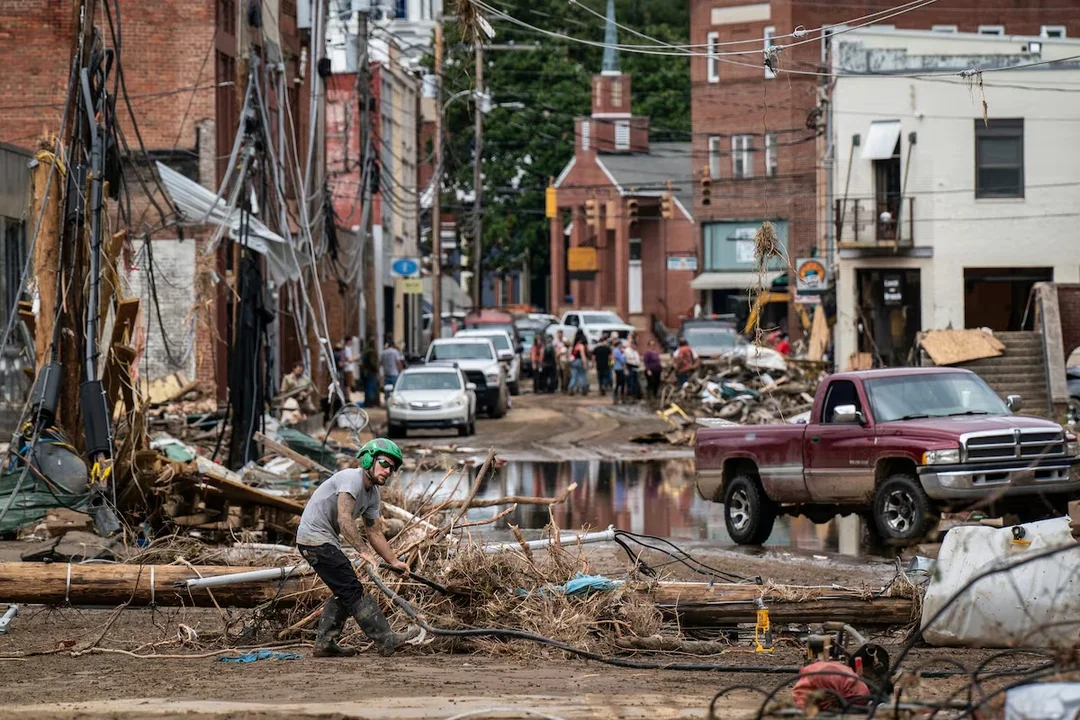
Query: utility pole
point(436, 185)
point(478, 179)
point(367, 153)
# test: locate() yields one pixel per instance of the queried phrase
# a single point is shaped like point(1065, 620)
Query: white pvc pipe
point(244, 577)
point(265, 547)
point(571, 538)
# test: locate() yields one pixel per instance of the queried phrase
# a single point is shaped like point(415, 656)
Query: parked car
point(897, 446)
point(595, 323)
point(508, 354)
point(478, 360)
point(489, 319)
point(1072, 376)
point(434, 395)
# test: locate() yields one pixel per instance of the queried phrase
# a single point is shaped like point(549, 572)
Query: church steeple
point(611, 39)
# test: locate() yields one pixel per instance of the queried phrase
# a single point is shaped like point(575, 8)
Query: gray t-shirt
point(319, 524)
point(390, 359)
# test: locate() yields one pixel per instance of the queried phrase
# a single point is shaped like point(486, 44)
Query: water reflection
point(652, 498)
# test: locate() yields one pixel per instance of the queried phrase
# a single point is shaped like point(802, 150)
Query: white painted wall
point(1042, 229)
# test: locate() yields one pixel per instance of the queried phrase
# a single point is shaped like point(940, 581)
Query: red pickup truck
point(896, 446)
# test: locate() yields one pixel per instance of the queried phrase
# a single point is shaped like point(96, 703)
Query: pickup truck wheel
point(902, 511)
point(748, 513)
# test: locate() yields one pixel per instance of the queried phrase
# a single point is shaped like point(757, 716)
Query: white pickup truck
point(595, 323)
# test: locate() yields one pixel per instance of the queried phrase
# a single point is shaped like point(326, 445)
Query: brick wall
point(164, 48)
point(1069, 307)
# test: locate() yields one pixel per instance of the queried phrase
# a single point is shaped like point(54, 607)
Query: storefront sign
point(810, 276)
point(893, 289)
point(685, 262)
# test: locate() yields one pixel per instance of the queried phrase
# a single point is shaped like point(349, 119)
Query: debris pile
point(730, 390)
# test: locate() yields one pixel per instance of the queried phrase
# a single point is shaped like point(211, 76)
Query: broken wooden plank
point(233, 487)
point(949, 347)
point(286, 451)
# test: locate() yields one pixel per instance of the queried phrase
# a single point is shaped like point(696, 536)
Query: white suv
point(437, 395)
point(504, 347)
point(478, 360)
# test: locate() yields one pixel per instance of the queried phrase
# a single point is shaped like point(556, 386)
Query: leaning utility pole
point(436, 188)
point(478, 179)
point(368, 153)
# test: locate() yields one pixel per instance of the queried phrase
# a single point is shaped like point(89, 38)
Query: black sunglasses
point(387, 463)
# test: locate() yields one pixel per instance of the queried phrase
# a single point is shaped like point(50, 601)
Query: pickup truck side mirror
point(388, 388)
point(846, 414)
point(1015, 402)
point(471, 387)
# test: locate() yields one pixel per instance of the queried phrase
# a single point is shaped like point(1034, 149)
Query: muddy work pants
point(334, 569)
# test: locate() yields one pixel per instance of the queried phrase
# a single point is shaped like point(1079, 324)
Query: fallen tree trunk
point(142, 585)
point(705, 604)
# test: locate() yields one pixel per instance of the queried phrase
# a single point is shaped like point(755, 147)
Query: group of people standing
point(563, 365)
point(363, 369)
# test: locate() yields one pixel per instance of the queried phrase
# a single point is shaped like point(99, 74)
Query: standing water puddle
point(647, 497)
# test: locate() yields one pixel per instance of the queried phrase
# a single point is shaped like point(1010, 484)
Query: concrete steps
point(1020, 371)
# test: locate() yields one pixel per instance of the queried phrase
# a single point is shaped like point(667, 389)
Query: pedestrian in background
point(550, 366)
point(349, 355)
point(562, 358)
point(602, 356)
point(536, 354)
point(653, 370)
point(618, 365)
point(578, 368)
point(685, 360)
point(783, 345)
point(392, 363)
point(633, 367)
point(369, 369)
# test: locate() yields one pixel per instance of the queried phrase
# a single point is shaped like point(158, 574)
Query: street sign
point(412, 286)
point(682, 262)
point(404, 267)
point(581, 263)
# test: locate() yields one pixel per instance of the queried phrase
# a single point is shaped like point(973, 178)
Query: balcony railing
point(880, 222)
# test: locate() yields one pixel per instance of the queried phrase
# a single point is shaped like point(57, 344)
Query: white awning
point(196, 203)
point(734, 280)
point(881, 140)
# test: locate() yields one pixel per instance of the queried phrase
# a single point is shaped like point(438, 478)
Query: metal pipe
point(244, 577)
point(585, 539)
point(264, 547)
point(12, 611)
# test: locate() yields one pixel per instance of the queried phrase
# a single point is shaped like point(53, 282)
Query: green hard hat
point(380, 446)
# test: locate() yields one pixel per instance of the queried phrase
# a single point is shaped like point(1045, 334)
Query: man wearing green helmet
point(333, 511)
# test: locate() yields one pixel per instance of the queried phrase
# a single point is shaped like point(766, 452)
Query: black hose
point(588, 655)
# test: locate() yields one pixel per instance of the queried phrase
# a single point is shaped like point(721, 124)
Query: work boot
point(333, 619)
point(371, 620)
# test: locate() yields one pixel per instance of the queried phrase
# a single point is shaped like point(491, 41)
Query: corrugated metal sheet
point(14, 181)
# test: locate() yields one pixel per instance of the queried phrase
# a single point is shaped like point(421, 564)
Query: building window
point(999, 158)
point(1052, 31)
point(622, 135)
point(712, 42)
point(770, 155)
point(714, 156)
point(945, 28)
point(586, 128)
point(770, 34)
point(616, 93)
point(991, 29)
point(401, 10)
point(742, 163)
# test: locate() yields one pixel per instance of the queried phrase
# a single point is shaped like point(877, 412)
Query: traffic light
point(551, 200)
point(706, 186)
point(592, 215)
point(631, 210)
point(667, 206)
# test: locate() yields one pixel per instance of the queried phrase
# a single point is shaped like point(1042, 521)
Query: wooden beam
point(286, 451)
point(110, 585)
point(47, 248)
point(231, 484)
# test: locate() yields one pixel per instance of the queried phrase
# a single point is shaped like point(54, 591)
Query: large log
point(704, 604)
point(111, 585)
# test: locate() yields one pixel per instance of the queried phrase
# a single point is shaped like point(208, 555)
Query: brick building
point(759, 132)
point(627, 203)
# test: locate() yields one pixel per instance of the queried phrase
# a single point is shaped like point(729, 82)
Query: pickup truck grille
point(476, 377)
point(1033, 444)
